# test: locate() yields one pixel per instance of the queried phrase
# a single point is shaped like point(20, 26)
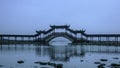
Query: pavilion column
point(1, 38)
point(54, 31)
point(116, 39)
point(22, 38)
point(99, 38)
point(37, 37)
point(29, 39)
point(91, 39)
point(34, 38)
point(65, 30)
point(107, 39)
point(8, 39)
point(43, 35)
point(15, 38)
point(87, 38)
point(40, 37)
point(81, 36)
point(76, 35)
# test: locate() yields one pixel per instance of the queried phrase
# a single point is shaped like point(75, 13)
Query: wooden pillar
point(37, 37)
point(1, 38)
point(43, 35)
point(40, 37)
point(76, 35)
point(28, 38)
point(22, 38)
point(54, 31)
point(81, 36)
point(107, 39)
point(8, 39)
point(65, 30)
point(32, 38)
point(15, 38)
point(87, 38)
point(99, 38)
point(116, 40)
point(91, 39)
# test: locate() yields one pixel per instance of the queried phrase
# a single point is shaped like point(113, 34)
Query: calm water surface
point(71, 56)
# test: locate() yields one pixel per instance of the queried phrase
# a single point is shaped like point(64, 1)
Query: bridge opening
point(59, 41)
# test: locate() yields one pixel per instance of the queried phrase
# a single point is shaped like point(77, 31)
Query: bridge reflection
point(61, 53)
point(64, 53)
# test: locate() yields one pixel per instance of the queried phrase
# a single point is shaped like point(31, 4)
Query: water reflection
point(69, 55)
point(60, 53)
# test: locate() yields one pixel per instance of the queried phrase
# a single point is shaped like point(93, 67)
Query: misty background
point(27, 16)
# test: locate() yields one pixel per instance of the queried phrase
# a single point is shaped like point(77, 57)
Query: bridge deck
point(103, 35)
point(7, 35)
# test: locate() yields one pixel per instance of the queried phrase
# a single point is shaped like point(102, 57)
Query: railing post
point(1, 38)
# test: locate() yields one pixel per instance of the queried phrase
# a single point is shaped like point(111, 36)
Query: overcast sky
point(26, 16)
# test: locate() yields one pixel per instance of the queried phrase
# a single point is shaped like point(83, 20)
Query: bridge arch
point(56, 35)
point(50, 39)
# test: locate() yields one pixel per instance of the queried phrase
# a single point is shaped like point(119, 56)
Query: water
point(71, 56)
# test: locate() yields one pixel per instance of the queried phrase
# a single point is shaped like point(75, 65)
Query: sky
point(27, 16)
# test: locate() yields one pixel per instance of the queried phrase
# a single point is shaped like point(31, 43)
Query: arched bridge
point(46, 36)
point(75, 36)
